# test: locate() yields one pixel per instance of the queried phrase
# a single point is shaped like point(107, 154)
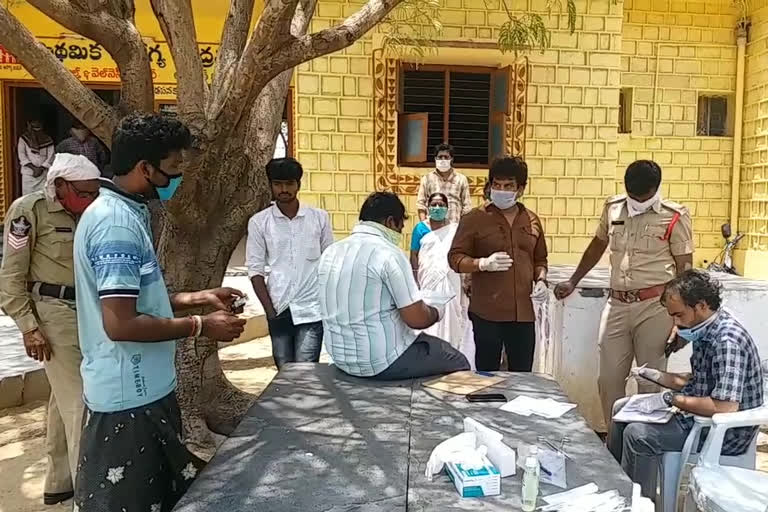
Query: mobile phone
point(486, 397)
point(239, 305)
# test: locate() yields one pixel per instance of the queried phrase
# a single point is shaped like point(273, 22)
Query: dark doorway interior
point(26, 102)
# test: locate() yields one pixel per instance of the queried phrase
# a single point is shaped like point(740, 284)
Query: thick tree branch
point(335, 38)
point(110, 23)
point(178, 25)
point(233, 39)
point(82, 102)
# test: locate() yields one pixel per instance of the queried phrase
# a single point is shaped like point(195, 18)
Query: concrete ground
point(22, 431)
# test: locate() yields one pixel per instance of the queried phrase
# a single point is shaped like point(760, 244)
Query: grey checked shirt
point(726, 367)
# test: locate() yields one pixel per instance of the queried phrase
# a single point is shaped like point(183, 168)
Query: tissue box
point(475, 483)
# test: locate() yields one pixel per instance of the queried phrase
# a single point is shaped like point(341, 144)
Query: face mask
point(166, 193)
point(75, 204)
point(390, 234)
point(635, 207)
point(443, 165)
point(695, 333)
point(503, 199)
point(438, 213)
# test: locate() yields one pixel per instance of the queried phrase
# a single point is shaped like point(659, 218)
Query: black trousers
point(518, 339)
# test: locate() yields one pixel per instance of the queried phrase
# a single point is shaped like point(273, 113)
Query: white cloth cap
point(69, 167)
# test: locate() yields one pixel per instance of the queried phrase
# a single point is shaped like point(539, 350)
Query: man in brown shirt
point(502, 245)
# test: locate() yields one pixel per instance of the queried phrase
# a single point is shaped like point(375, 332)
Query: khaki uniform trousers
point(637, 330)
point(58, 323)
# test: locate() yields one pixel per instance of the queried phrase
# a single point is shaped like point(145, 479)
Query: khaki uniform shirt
point(37, 247)
point(641, 253)
point(501, 296)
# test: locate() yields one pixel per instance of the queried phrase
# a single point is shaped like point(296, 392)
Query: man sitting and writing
point(371, 306)
point(726, 377)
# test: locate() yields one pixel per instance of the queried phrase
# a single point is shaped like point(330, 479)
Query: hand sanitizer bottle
point(531, 481)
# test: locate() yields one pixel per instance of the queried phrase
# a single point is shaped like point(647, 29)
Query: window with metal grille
point(463, 106)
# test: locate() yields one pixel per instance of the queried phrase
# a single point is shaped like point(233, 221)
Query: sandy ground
point(22, 430)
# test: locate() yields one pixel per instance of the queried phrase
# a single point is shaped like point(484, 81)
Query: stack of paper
point(585, 499)
point(545, 407)
point(641, 409)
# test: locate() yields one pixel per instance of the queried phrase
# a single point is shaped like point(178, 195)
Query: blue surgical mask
point(503, 199)
point(167, 192)
point(695, 333)
point(438, 213)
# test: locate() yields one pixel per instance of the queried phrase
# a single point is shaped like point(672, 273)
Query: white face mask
point(635, 207)
point(503, 199)
point(443, 165)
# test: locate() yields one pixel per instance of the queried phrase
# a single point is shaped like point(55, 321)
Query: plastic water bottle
point(531, 481)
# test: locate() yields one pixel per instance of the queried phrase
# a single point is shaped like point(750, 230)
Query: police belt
point(56, 291)
point(631, 296)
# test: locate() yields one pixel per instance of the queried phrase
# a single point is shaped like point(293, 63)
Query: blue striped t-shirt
point(363, 281)
point(114, 257)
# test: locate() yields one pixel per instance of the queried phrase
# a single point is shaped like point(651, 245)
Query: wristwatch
point(668, 398)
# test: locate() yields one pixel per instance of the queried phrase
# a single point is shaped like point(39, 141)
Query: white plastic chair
point(714, 488)
point(671, 467)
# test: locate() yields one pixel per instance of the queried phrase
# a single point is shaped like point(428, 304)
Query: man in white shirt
point(371, 307)
point(284, 245)
point(36, 152)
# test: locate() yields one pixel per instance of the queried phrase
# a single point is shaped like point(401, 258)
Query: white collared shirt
point(364, 280)
point(286, 252)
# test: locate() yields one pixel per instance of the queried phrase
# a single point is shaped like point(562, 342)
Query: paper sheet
point(636, 411)
point(463, 383)
point(544, 407)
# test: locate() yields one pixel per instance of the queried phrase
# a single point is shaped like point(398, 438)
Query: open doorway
point(27, 100)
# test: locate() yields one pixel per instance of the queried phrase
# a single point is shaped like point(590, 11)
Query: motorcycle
point(724, 261)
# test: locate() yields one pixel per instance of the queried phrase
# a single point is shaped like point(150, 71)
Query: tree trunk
point(194, 250)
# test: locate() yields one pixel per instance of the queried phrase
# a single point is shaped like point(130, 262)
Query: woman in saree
point(430, 244)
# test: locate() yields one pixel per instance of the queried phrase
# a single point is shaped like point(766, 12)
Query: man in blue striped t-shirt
point(371, 306)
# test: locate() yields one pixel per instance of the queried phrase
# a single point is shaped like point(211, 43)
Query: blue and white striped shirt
point(363, 281)
point(114, 257)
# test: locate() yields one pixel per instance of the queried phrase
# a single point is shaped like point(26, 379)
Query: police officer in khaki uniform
point(650, 241)
point(37, 292)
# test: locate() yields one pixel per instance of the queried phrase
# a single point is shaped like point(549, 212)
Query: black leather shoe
point(55, 498)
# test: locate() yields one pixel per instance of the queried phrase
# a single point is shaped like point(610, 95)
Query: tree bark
point(43, 65)
point(111, 24)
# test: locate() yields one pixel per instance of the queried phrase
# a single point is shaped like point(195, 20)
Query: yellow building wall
point(572, 113)
point(753, 204)
point(671, 52)
point(666, 50)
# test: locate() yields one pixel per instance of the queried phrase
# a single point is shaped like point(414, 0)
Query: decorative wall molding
point(387, 174)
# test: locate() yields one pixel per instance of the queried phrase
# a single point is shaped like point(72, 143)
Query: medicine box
point(475, 482)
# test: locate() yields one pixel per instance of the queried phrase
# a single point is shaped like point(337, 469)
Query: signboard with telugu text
point(90, 63)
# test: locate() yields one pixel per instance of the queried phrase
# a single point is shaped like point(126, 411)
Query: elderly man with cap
point(37, 292)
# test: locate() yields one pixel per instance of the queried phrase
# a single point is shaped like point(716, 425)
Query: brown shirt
point(642, 247)
point(501, 296)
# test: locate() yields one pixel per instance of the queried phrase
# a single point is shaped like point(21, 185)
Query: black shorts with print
point(134, 460)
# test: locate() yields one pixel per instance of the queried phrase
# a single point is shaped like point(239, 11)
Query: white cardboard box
point(475, 483)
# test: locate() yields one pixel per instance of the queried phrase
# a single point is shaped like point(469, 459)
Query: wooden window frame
point(443, 68)
point(729, 115)
point(626, 102)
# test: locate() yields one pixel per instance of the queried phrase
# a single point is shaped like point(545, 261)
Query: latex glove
point(650, 374)
point(654, 402)
point(540, 292)
point(496, 262)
